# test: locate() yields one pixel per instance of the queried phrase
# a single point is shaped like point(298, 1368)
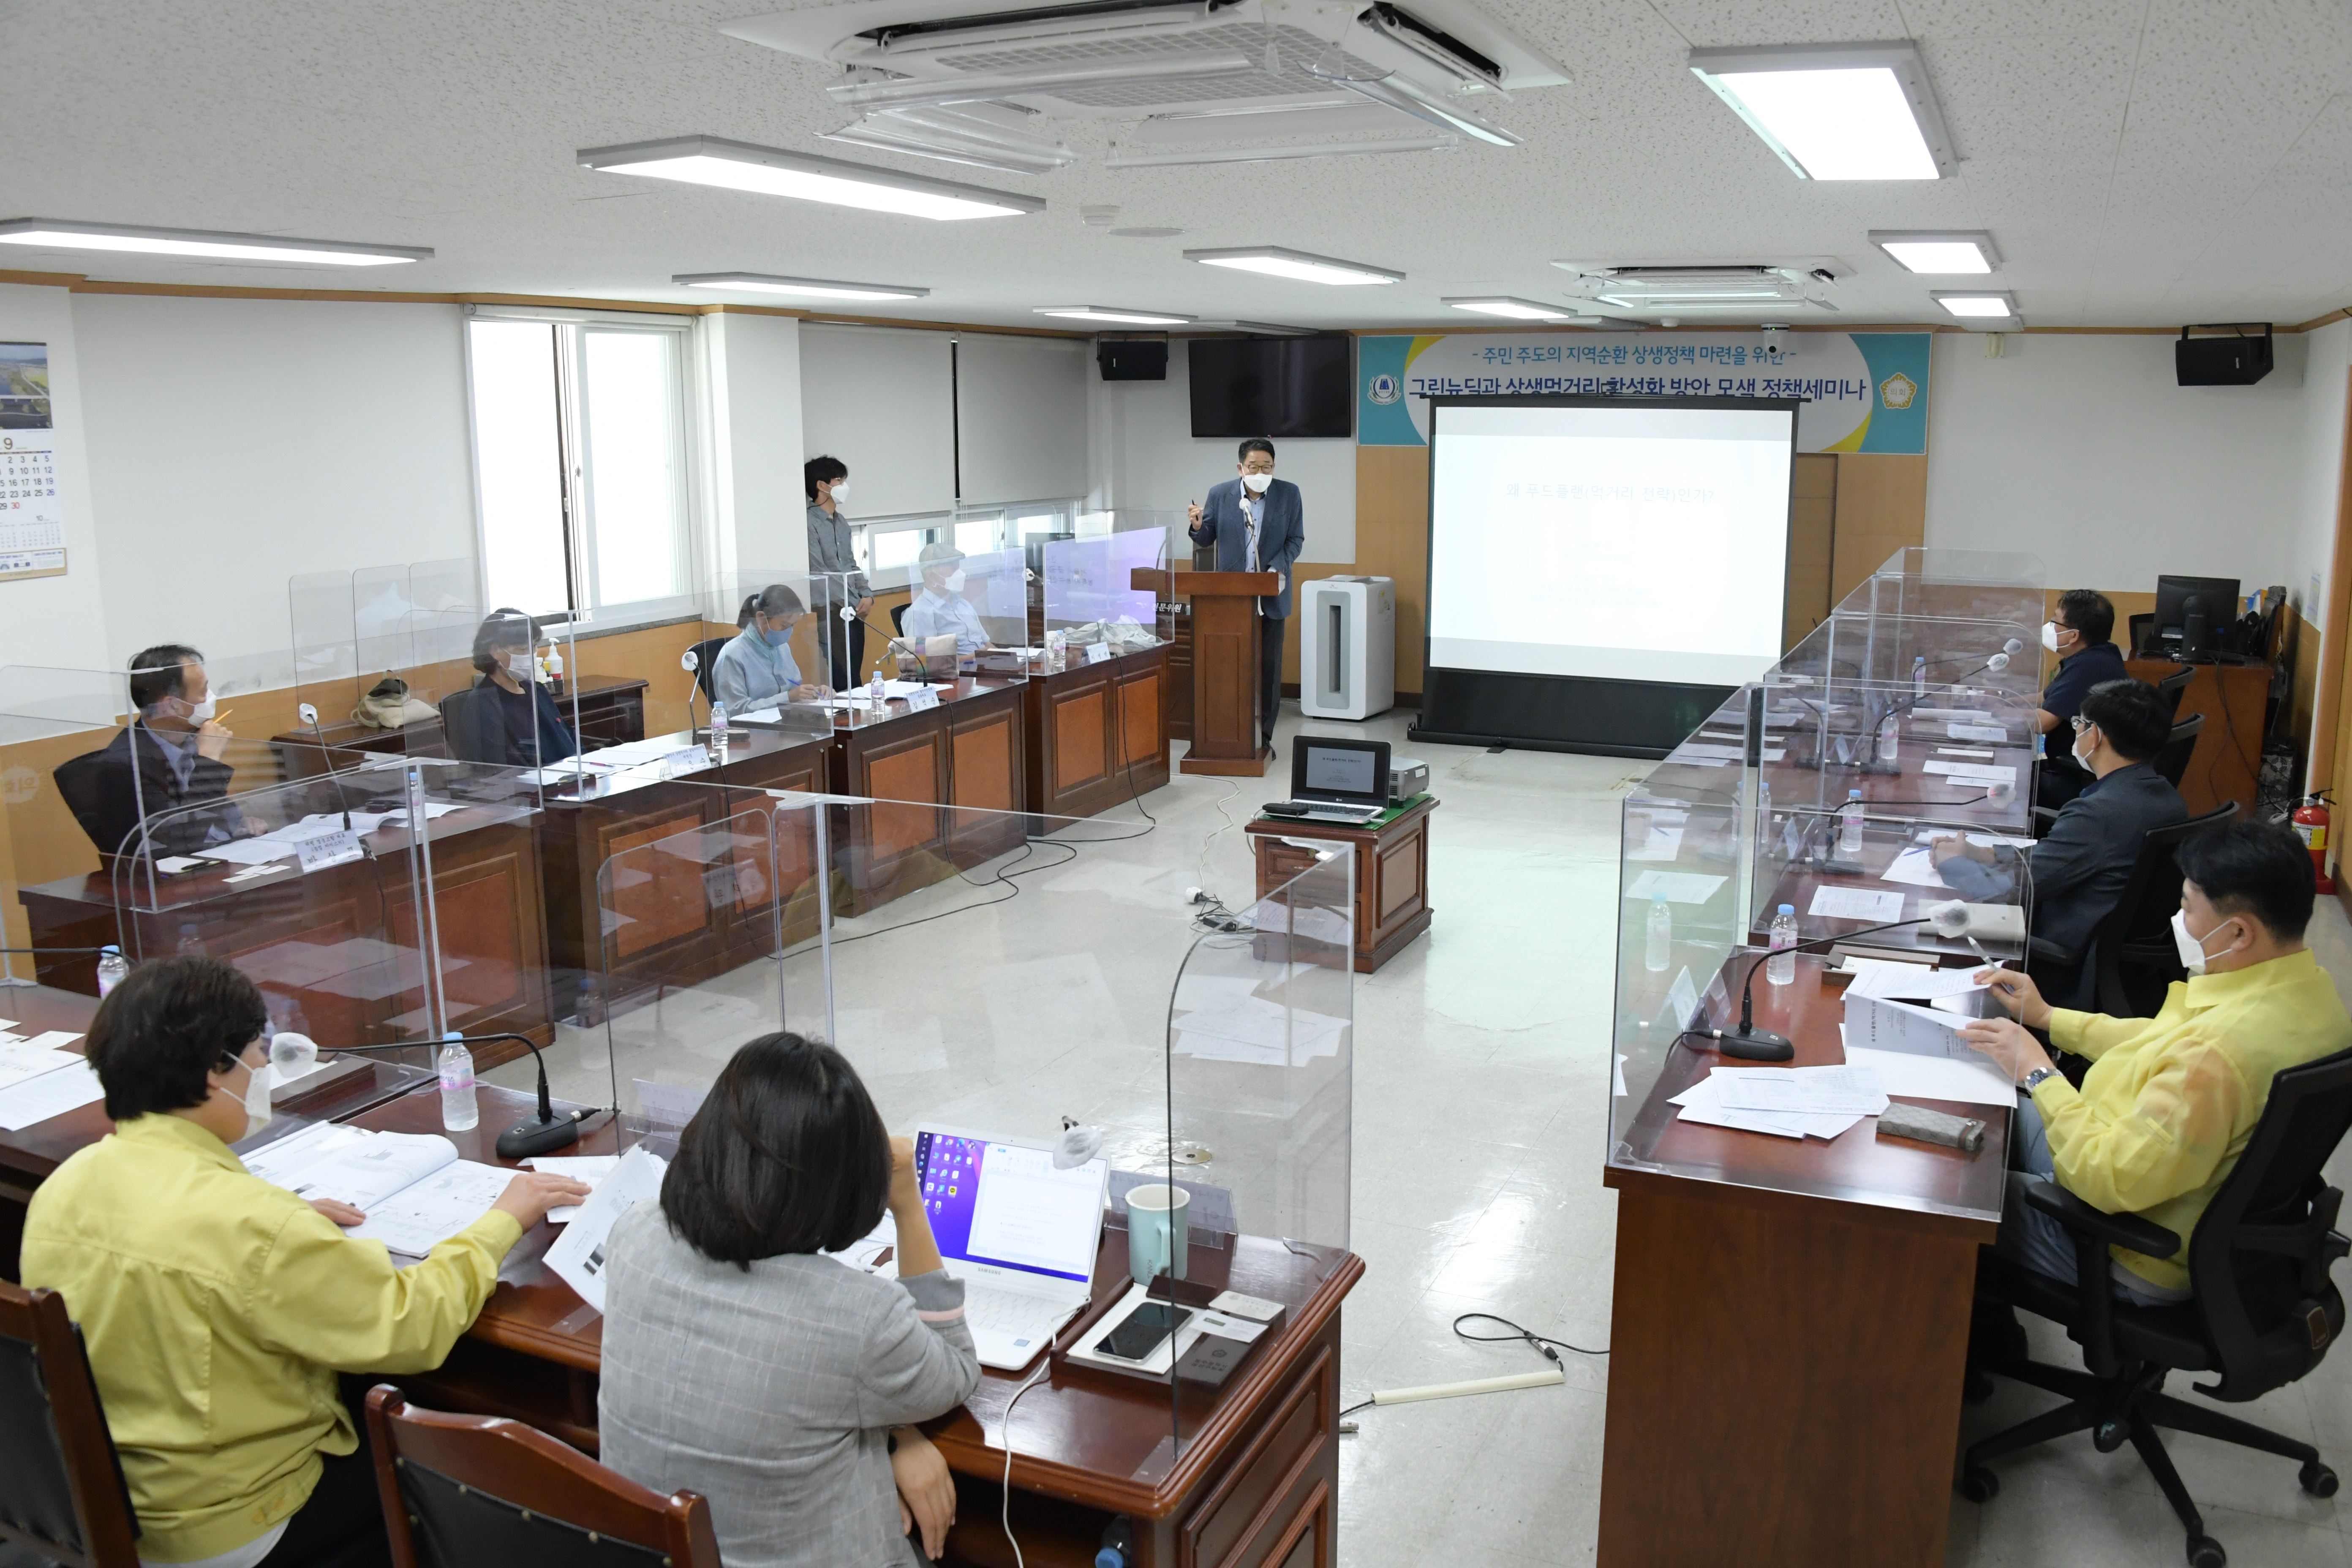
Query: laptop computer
point(1021, 1234)
point(1333, 779)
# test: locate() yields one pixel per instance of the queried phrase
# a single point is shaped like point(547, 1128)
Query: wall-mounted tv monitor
point(1274, 386)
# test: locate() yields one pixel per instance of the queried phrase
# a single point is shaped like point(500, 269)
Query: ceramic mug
point(1158, 1231)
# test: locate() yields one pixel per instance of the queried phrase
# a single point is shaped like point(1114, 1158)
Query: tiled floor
point(1480, 1120)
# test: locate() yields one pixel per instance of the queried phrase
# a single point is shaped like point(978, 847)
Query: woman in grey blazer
point(741, 1362)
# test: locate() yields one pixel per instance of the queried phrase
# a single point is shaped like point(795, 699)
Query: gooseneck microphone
point(541, 1135)
point(1750, 1044)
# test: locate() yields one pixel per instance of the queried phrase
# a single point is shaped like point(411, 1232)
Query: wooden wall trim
point(2324, 760)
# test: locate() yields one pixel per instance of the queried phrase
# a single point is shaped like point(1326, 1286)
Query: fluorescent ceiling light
point(1277, 262)
point(1114, 314)
point(1291, 150)
point(1512, 306)
point(1919, 251)
point(738, 165)
point(979, 86)
point(1838, 111)
point(46, 234)
point(815, 287)
point(1976, 304)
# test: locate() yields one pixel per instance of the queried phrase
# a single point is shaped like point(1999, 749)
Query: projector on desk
point(1408, 776)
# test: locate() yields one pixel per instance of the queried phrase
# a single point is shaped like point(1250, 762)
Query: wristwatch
point(2033, 1078)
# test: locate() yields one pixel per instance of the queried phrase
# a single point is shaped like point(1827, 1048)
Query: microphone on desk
point(308, 713)
point(541, 1135)
point(1750, 1044)
point(922, 665)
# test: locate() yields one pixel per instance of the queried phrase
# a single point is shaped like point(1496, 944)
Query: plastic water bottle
point(1919, 675)
point(1850, 825)
point(1781, 967)
point(718, 733)
point(1660, 951)
point(111, 968)
point(1890, 737)
point(458, 1113)
point(875, 698)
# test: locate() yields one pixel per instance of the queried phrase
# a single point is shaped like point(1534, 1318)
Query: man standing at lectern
point(1257, 524)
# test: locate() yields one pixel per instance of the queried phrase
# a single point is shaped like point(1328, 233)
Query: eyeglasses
point(2080, 723)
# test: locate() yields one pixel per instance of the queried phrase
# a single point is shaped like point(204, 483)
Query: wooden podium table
point(1392, 872)
point(1225, 665)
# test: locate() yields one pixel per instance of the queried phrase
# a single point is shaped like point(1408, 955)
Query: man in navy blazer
point(1257, 524)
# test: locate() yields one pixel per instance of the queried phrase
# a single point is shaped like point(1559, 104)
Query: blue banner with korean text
point(1863, 392)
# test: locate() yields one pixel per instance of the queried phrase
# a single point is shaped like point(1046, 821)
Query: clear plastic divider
point(1091, 601)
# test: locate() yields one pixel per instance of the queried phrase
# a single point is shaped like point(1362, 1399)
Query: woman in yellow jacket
point(218, 1309)
point(2170, 1101)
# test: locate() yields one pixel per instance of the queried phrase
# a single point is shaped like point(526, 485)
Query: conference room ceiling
point(2138, 163)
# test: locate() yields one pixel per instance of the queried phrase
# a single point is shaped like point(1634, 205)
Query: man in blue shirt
point(2078, 632)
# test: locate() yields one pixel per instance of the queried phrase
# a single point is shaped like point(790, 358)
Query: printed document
point(53, 1093)
point(1855, 904)
point(577, 1257)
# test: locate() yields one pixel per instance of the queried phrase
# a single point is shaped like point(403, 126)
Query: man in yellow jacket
point(220, 1310)
point(2170, 1101)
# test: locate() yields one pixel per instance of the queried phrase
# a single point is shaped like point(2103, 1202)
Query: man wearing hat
point(941, 607)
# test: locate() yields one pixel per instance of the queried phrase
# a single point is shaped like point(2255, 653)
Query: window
point(579, 453)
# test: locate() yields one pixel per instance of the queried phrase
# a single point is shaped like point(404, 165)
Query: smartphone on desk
point(1146, 1328)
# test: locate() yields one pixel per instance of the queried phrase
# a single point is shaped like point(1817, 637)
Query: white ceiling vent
point(1683, 287)
point(1195, 81)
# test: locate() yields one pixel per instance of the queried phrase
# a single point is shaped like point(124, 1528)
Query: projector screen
point(1608, 539)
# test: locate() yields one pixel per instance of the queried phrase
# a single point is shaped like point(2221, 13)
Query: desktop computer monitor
point(2212, 602)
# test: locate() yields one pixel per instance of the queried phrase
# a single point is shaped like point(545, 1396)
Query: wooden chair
point(481, 1491)
point(62, 1496)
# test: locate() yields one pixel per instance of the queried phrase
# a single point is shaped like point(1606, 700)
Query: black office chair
point(62, 1497)
point(898, 617)
point(2173, 760)
point(2263, 1314)
point(78, 785)
point(463, 728)
point(706, 660)
point(2124, 968)
point(2171, 688)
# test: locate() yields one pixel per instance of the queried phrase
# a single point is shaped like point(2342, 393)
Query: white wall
point(1021, 417)
point(237, 443)
point(2325, 372)
point(58, 622)
point(754, 366)
point(1144, 455)
point(2083, 450)
point(881, 399)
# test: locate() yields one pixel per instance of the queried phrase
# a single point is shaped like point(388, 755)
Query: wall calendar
point(32, 523)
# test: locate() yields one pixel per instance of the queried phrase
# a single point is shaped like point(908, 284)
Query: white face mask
point(2083, 747)
point(955, 582)
point(2049, 636)
point(201, 712)
point(840, 490)
point(1257, 482)
point(257, 1109)
point(2193, 956)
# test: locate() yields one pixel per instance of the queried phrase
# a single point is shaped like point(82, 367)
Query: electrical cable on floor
point(1541, 1344)
point(1004, 1435)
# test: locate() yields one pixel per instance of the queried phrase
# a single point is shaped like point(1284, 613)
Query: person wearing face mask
point(833, 560)
point(510, 717)
point(756, 666)
point(941, 607)
point(165, 767)
point(1257, 524)
point(227, 1319)
point(2170, 1101)
point(2078, 868)
point(2078, 632)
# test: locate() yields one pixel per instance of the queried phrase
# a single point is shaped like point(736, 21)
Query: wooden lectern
point(1224, 664)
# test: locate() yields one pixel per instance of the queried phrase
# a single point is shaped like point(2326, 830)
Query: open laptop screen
point(1003, 1203)
point(1352, 773)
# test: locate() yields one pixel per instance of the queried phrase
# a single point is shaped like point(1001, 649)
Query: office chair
point(78, 782)
point(482, 1491)
point(899, 618)
point(2124, 968)
point(2263, 1314)
point(2141, 628)
point(706, 659)
point(2171, 688)
point(62, 1496)
point(460, 726)
point(2173, 760)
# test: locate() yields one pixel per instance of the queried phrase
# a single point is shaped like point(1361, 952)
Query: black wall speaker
point(1132, 359)
point(2237, 359)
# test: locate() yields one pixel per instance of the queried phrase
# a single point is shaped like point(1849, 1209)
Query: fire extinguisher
point(2311, 823)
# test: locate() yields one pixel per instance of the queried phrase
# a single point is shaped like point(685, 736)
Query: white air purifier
point(1346, 646)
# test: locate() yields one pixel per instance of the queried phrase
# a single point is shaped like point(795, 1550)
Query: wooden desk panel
point(2226, 761)
point(968, 753)
point(1790, 1329)
point(1098, 733)
point(1391, 874)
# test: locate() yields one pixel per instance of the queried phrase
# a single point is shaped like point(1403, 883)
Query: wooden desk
point(968, 751)
point(612, 712)
point(2227, 763)
point(29, 1156)
point(677, 926)
point(1792, 1323)
point(1256, 1482)
point(335, 949)
point(1097, 733)
point(1391, 873)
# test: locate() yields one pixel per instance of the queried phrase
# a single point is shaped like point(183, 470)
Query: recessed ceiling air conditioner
point(970, 83)
point(1790, 284)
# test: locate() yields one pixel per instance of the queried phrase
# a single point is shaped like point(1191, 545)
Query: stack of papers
point(1971, 772)
point(1855, 904)
point(39, 1079)
point(415, 1191)
point(1786, 1102)
point(578, 1256)
point(589, 1168)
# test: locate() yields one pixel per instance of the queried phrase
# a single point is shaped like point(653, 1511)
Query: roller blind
point(883, 401)
point(1021, 404)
